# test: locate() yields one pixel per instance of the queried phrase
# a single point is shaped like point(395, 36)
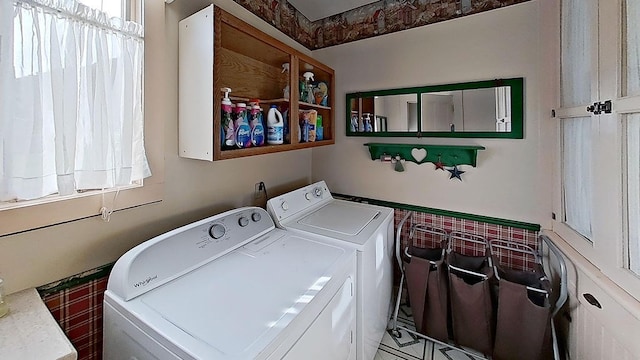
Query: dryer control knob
point(217, 231)
point(256, 217)
point(284, 206)
point(317, 192)
point(307, 196)
point(243, 221)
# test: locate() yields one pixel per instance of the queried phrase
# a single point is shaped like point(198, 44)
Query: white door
point(597, 209)
point(597, 203)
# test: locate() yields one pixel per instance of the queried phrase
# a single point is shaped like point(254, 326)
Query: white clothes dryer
point(232, 286)
point(366, 228)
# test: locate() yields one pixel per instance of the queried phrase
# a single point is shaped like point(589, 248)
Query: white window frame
point(40, 214)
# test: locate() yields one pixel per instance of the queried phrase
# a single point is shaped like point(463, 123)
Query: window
point(71, 107)
point(599, 169)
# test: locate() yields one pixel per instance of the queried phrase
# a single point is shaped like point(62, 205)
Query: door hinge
point(600, 107)
point(553, 216)
point(553, 113)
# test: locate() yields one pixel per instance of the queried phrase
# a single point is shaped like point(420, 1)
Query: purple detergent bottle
point(243, 130)
point(257, 128)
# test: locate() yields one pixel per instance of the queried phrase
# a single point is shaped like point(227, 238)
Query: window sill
point(21, 219)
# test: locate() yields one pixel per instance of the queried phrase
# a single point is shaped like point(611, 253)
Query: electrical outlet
point(258, 190)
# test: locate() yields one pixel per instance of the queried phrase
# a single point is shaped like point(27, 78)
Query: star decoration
point(439, 165)
point(455, 172)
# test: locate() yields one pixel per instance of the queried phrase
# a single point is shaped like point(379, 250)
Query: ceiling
point(316, 10)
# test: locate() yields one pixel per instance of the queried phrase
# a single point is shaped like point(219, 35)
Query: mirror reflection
point(492, 108)
point(482, 110)
point(388, 113)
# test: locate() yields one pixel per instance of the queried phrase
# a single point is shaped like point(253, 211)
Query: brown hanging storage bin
point(499, 304)
point(470, 277)
point(523, 324)
point(427, 281)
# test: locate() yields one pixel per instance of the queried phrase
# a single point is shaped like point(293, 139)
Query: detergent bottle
point(354, 122)
point(304, 126)
point(367, 123)
point(243, 129)
point(275, 134)
point(228, 131)
point(257, 129)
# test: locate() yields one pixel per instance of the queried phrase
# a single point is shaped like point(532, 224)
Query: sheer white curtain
point(633, 133)
point(576, 174)
point(576, 51)
point(633, 190)
point(633, 47)
point(72, 112)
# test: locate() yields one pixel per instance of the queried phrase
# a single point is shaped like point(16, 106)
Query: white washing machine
point(232, 286)
point(366, 228)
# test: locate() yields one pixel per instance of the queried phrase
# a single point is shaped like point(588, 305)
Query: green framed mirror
point(479, 109)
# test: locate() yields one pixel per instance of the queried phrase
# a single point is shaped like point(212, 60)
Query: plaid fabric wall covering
point(508, 259)
point(76, 304)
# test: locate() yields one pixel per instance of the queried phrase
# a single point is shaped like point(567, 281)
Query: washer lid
point(342, 217)
point(238, 304)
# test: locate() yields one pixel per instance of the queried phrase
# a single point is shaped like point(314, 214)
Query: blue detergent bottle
point(354, 122)
point(367, 123)
point(243, 129)
point(257, 129)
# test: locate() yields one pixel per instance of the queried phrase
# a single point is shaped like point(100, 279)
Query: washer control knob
point(217, 231)
point(284, 206)
point(256, 216)
point(317, 192)
point(307, 196)
point(243, 221)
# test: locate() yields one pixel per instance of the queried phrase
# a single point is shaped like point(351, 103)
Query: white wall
point(193, 189)
point(511, 180)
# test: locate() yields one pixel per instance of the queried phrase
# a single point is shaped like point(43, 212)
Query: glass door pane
point(633, 190)
point(577, 51)
point(631, 48)
point(577, 177)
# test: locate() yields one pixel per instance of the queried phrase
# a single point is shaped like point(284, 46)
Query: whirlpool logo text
point(145, 282)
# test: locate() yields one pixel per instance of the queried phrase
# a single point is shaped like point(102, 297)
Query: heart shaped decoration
point(419, 154)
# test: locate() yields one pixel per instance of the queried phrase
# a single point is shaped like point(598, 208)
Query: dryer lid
point(345, 218)
point(238, 304)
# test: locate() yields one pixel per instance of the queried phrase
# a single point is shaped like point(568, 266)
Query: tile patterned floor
point(411, 347)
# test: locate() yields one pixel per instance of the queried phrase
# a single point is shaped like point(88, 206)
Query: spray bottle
point(228, 131)
point(257, 129)
point(243, 129)
point(285, 91)
point(308, 90)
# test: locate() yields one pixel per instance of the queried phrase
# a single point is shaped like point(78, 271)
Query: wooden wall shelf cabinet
point(218, 50)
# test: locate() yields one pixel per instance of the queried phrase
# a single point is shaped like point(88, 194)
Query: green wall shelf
point(448, 155)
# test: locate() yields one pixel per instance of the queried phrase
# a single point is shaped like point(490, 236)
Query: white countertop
point(29, 331)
